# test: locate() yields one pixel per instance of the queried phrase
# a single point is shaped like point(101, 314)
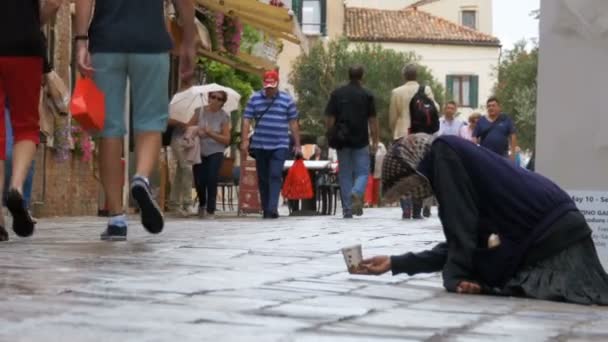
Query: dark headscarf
point(399, 175)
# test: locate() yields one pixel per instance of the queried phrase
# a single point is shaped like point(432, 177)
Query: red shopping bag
point(369, 191)
point(297, 183)
point(88, 105)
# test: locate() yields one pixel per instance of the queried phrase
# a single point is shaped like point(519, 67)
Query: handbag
point(88, 105)
point(337, 135)
point(255, 121)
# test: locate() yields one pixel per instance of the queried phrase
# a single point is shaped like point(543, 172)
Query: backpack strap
point(421, 89)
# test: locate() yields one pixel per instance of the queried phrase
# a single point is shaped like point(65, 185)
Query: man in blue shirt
point(128, 39)
point(274, 113)
point(495, 131)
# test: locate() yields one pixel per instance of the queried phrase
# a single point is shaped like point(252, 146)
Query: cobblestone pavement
point(247, 279)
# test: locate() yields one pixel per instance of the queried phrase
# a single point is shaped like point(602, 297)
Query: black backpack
point(424, 116)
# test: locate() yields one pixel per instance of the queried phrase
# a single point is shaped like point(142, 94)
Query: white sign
point(594, 205)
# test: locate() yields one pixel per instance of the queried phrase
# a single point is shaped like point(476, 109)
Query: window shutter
point(474, 91)
point(297, 9)
point(323, 28)
point(449, 86)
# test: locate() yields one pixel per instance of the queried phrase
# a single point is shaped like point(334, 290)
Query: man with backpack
point(496, 131)
point(351, 115)
point(413, 110)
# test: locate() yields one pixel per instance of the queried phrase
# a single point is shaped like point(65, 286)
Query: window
point(469, 19)
point(311, 15)
point(463, 89)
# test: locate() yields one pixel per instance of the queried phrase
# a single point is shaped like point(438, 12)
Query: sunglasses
point(214, 97)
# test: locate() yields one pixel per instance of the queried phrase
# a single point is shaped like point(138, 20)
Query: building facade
point(453, 38)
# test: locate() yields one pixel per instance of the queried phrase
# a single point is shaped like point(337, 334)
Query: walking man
point(274, 113)
point(128, 39)
point(351, 114)
point(21, 63)
point(400, 121)
point(450, 125)
point(496, 131)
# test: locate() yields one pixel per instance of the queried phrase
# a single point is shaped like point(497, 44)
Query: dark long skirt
point(574, 275)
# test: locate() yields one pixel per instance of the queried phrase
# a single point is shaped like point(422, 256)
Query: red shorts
point(20, 82)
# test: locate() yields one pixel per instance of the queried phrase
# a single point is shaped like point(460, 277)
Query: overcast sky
point(512, 20)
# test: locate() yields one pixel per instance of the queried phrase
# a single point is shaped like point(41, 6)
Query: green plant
point(315, 75)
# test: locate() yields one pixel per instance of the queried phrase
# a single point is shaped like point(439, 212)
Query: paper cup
point(352, 256)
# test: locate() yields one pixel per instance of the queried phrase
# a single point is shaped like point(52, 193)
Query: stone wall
point(63, 188)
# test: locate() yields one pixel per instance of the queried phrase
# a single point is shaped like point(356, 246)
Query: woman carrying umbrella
point(508, 231)
point(214, 133)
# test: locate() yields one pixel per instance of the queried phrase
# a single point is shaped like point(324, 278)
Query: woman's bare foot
point(468, 287)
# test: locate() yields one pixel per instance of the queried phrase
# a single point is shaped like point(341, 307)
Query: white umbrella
point(184, 103)
point(232, 103)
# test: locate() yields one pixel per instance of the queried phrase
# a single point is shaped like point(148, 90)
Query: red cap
point(271, 79)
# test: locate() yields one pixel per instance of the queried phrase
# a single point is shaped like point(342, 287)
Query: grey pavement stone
point(247, 279)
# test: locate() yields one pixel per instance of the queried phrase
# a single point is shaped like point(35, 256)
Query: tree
point(516, 90)
point(316, 74)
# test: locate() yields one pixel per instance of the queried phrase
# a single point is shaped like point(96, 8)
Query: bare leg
point(111, 174)
point(147, 145)
point(23, 154)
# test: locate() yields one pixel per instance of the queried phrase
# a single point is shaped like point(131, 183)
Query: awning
point(276, 22)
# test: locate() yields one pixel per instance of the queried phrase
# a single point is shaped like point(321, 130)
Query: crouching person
point(508, 231)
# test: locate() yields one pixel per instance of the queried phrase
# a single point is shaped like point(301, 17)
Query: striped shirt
point(272, 132)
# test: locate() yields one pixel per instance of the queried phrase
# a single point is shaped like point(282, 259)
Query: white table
point(311, 164)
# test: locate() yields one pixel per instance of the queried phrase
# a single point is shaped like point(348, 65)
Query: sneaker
point(151, 216)
point(357, 204)
point(347, 213)
point(23, 225)
point(426, 212)
point(114, 233)
point(274, 215)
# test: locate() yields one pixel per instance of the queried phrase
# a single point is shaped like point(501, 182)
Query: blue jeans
point(206, 176)
point(353, 170)
point(269, 164)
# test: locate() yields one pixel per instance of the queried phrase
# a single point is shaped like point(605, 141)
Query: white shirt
point(452, 127)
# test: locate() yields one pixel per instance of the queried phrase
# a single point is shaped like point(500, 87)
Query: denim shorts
point(148, 76)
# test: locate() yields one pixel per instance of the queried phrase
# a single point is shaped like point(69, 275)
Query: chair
point(226, 183)
point(327, 193)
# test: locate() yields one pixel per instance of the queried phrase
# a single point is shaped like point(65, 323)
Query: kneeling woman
point(508, 231)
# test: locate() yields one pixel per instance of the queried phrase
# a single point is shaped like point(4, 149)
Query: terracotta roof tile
point(409, 25)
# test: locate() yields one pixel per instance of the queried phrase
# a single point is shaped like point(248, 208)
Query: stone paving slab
point(247, 279)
